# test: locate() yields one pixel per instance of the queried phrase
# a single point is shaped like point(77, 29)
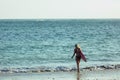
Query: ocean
point(49, 43)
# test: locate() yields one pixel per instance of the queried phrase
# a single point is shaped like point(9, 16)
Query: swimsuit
point(78, 57)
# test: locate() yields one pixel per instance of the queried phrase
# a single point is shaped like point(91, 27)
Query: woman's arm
point(73, 55)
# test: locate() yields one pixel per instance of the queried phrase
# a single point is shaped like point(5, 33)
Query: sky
point(57, 9)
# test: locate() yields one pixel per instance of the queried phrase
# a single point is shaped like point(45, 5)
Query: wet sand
point(110, 74)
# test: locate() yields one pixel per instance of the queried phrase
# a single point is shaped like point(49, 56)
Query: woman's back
point(77, 51)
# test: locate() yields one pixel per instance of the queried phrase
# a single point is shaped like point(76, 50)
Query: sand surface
point(113, 74)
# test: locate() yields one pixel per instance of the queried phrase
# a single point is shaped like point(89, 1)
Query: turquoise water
point(50, 43)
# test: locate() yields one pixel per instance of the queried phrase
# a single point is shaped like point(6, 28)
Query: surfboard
point(83, 57)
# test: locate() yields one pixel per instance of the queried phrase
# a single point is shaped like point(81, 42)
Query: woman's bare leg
point(77, 61)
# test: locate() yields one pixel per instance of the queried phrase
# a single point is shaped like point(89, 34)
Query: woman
point(78, 54)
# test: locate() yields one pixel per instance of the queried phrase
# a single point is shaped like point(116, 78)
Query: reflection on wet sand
point(78, 76)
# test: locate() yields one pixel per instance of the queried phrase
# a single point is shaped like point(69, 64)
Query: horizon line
point(59, 18)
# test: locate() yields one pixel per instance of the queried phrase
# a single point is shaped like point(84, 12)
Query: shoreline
point(103, 72)
point(110, 74)
point(58, 69)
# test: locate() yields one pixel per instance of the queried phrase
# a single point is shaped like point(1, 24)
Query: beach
point(111, 74)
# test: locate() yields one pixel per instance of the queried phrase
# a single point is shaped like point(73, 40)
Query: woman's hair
point(77, 45)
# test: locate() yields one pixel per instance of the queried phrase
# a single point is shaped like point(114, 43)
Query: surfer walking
point(78, 55)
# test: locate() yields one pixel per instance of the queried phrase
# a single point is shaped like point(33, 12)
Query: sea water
point(50, 42)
